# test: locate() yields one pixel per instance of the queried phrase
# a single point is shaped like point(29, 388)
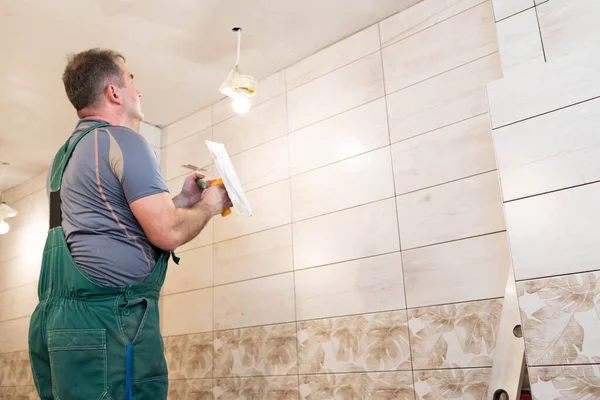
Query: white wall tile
point(187, 126)
point(14, 334)
point(363, 231)
point(363, 286)
point(459, 271)
point(443, 155)
point(188, 312)
point(191, 150)
point(519, 40)
point(534, 91)
point(447, 45)
point(252, 256)
point(260, 301)
point(554, 234)
point(21, 270)
point(549, 152)
point(337, 55)
point(263, 165)
point(151, 133)
point(421, 16)
point(506, 8)
point(18, 302)
point(264, 122)
point(354, 132)
point(352, 182)
point(445, 99)
point(568, 26)
point(350, 86)
point(270, 206)
point(195, 271)
point(455, 210)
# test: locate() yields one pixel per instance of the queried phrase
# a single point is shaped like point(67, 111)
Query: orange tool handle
point(220, 182)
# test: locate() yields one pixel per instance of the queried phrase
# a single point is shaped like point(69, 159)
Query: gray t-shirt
point(110, 168)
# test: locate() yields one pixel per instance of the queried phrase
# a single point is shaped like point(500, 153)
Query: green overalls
point(86, 340)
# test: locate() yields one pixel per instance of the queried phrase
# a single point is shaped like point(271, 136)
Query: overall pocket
point(78, 363)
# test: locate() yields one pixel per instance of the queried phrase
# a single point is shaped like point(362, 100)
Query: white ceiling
point(179, 51)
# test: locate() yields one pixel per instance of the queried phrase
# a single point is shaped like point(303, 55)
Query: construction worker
point(113, 227)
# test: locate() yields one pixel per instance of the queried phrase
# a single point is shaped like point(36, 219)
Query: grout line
point(592, 271)
point(444, 183)
point(517, 13)
point(453, 303)
point(456, 240)
point(537, 19)
point(451, 369)
point(546, 112)
point(18, 287)
point(551, 191)
point(16, 318)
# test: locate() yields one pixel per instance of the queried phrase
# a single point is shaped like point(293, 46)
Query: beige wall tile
point(257, 351)
point(151, 133)
point(534, 91)
point(187, 126)
point(454, 335)
point(554, 234)
point(359, 232)
point(443, 155)
point(466, 383)
point(20, 271)
point(188, 312)
point(338, 186)
point(18, 302)
point(385, 385)
point(464, 270)
point(348, 87)
point(272, 387)
point(335, 56)
point(14, 334)
point(421, 16)
point(190, 356)
point(367, 285)
point(519, 40)
point(203, 239)
point(260, 301)
point(568, 25)
point(264, 122)
point(557, 382)
point(456, 210)
point(195, 271)
point(264, 164)
point(252, 256)
point(29, 239)
point(560, 320)
point(447, 45)
point(369, 342)
point(270, 206)
point(191, 150)
point(549, 152)
point(454, 96)
point(268, 88)
point(346, 135)
point(191, 389)
point(506, 8)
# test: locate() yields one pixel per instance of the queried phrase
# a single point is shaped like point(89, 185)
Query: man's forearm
point(188, 222)
point(181, 201)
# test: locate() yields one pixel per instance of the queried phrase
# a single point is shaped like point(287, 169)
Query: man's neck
point(113, 120)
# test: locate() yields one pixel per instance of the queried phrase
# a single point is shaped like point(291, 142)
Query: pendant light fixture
point(240, 88)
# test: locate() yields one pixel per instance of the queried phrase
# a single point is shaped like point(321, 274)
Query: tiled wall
point(20, 259)
point(375, 263)
point(545, 115)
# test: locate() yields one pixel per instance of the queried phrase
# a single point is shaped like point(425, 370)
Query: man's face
point(132, 96)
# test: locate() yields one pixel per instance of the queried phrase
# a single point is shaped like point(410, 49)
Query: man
point(113, 226)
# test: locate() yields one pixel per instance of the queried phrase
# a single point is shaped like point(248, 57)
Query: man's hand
point(214, 199)
point(190, 193)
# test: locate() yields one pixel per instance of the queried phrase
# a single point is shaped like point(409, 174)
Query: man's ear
point(113, 93)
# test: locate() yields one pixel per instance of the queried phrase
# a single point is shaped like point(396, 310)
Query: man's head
point(98, 83)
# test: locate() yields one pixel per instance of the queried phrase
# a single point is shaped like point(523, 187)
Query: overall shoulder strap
point(58, 168)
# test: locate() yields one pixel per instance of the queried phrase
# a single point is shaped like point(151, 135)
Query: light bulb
point(4, 227)
point(241, 103)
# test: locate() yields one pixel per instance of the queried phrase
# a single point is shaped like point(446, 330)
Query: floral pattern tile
point(456, 383)
point(271, 388)
point(19, 393)
point(189, 356)
point(375, 385)
point(463, 335)
point(187, 389)
point(256, 351)
point(15, 369)
point(561, 318)
point(369, 342)
point(566, 382)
